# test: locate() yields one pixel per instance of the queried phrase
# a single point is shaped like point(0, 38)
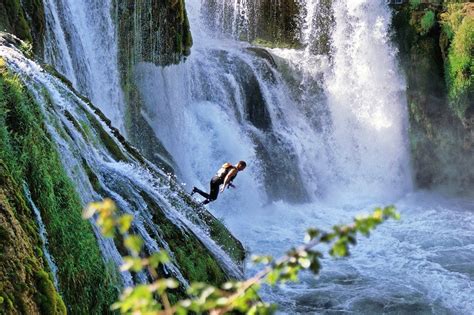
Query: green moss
point(19, 264)
point(13, 19)
point(439, 87)
point(31, 156)
point(217, 230)
point(87, 131)
point(427, 21)
point(49, 301)
point(191, 255)
point(460, 61)
point(414, 4)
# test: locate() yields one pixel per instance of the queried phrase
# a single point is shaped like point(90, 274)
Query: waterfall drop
point(321, 120)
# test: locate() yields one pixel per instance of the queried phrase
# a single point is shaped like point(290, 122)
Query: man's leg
point(213, 193)
point(202, 193)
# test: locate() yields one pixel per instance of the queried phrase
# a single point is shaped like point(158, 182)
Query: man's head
point(241, 165)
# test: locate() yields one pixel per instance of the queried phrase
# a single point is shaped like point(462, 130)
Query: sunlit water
point(336, 139)
point(421, 264)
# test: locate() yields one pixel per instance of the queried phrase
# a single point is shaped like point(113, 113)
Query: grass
point(30, 155)
point(458, 30)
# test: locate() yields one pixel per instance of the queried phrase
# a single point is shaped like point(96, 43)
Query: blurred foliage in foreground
point(241, 296)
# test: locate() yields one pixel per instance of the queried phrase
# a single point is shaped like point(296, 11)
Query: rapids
point(325, 135)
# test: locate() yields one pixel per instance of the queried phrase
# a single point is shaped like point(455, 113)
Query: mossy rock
point(438, 94)
point(30, 155)
point(25, 19)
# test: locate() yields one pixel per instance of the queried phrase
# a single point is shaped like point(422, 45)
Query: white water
point(419, 265)
point(44, 237)
point(345, 121)
point(127, 182)
point(337, 136)
point(81, 44)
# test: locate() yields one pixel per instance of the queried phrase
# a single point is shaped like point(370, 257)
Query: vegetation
point(25, 19)
point(25, 286)
point(435, 44)
point(427, 22)
point(458, 26)
point(238, 296)
point(29, 155)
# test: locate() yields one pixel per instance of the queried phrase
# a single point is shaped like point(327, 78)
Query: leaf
point(162, 285)
point(273, 277)
point(327, 237)
point(134, 243)
point(132, 263)
point(352, 240)
point(311, 234)
point(339, 249)
point(158, 258)
point(315, 266)
point(378, 214)
point(108, 227)
point(228, 286)
point(124, 223)
point(304, 262)
point(222, 301)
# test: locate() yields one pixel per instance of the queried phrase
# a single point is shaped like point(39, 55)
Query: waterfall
point(326, 135)
point(317, 131)
point(101, 165)
point(80, 42)
point(322, 125)
point(44, 237)
point(366, 96)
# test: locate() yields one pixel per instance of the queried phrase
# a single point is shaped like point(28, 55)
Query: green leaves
point(134, 244)
point(124, 223)
point(132, 263)
point(137, 300)
point(106, 219)
point(158, 258)
point(311, 234)
point(241, 296)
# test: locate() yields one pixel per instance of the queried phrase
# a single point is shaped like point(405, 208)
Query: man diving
point(225, 175)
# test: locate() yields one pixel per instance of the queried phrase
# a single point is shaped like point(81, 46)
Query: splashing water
point(44, 237)
point(346, 120)
point(133, 182)
point(80, 42)
point(326, 125)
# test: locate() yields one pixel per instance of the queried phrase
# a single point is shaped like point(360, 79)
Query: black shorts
point(215, 183)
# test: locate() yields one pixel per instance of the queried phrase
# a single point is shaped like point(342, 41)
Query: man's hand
point(222, 189)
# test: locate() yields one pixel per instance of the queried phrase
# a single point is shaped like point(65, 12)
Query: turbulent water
point(44, 237)
point(419, 265)
point(81, 44)
point(325, 135)
point(102, 166)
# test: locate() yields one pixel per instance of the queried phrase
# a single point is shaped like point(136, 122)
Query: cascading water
point(368, 139)
point(80, 42)
point(355, 153)
point(227, 103)
point(102, 166)
point(335, 123)
point(327, 125)
point(44, 237)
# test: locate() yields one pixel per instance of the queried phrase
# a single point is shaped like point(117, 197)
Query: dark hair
point(242, 163)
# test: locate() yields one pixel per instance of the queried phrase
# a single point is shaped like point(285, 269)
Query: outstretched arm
point(228, 178)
